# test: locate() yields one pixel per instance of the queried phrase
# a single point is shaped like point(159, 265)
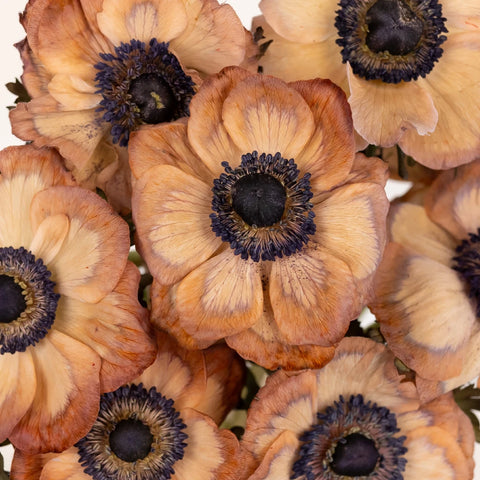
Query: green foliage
point(468, 399)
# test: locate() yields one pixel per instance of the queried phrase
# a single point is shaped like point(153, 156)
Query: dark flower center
point(390, 40)
point(351, 439)
point(259, 199)
point(467, 264)
point(12, 300)
point(392, 27)
point(131, 440)
point(141, 84)
point(138, 435)
point(262, 208)
point(355, 455)
point(28, 302)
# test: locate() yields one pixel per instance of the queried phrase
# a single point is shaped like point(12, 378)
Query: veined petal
point(220, 297)
point(463, 15)
point(171, 210)
point(66, 401)
point(129, 19)
point(66, 466)
point(73, 93)
point(94, 253)
point(384, 112)
point(262, 113)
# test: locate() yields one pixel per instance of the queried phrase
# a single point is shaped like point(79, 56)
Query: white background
point(11, 32)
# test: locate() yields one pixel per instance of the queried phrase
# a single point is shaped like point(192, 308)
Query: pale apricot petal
point(49, 237)
point(115, 328)
point(206, 133)
point(368, 169)
point(423, 311)
point(222, 460)
point(131, 19)
point(311, 22)
point(221, 297)
point(165, 144)
point(171, 210)
point(290, 61)
point(351, 225)
point(72, 47)
point(224, 45)
point(94, 253)
point(73, 93)
point(454, 86)
point(66, 401)
point(463, 15)
point(66, 466)
point(17, 390)
point(262, 113)
point(362, 366)
point(410, 226)
point(278, 460)
point(384, 112)
point(329, 154)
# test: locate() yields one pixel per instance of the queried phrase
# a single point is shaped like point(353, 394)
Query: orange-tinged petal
point(368, 169)
point(383, 112)
point(94, 253)
point(220, 297)
point(73, 93)
point(115, 328)
point(454, 86)
point(463, 15)
point(171, 211)
point(329, 154)
point(130, 19)
point(66, 466)
point(17, 390)
point(206, 133)
point(66, 401)
point(312, 22)
point(312, 296)
point(262, 113)
point(224, 45)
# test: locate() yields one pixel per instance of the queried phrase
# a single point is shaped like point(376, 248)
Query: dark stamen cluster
point(36, 306)
point(122, 79)
point(271, 225)
point(390, 40)
point(352, 438)
point(467, 263)
point(128, 416)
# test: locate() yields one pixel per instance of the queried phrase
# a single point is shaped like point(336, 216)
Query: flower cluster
point(200, 218)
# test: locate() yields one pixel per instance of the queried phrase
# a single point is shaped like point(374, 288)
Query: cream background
point(11, 32)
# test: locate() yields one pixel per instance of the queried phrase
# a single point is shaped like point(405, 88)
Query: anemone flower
point(70, 322)
point(157, 427)
point(427, 289)
point(354, 418)
point(410, 67)
point(97, 71)
point(256, 219)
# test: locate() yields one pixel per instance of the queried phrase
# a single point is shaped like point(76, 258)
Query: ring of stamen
point(128, 416)
point(32, 302)
point(254, 216)
point(390, 40)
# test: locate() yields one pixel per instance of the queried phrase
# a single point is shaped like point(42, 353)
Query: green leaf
point(3, 474)
point(468, 399)
point(18, 89)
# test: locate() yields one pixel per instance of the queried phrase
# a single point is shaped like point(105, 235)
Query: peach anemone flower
point(161, 426)
point(427, 287)
point(97, 70)
point(354, 418)
point(410, 67)
point(256, 219)
point(71, 326)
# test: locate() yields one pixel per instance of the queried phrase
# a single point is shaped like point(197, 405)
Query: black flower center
point(141, 84)
point(154, 97)
point(28, 302)
point(467, 264)
point(131, 440)
point(259, 199)
point(138, 435)
point(392, 27)
point(351, 439)
point(12, 300)
point(262, 208)
point(355, 455)
point(390, 40)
